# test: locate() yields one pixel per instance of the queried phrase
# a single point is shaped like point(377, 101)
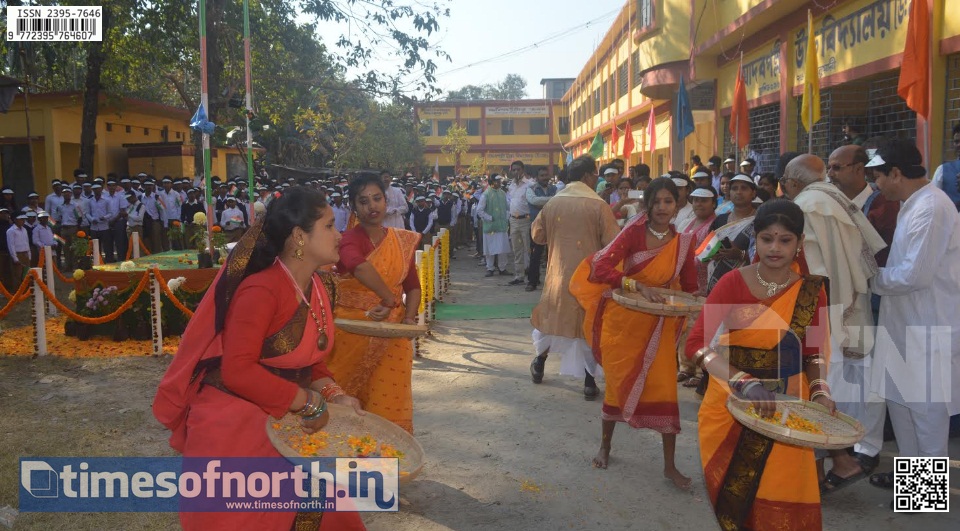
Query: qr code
point(921, 485)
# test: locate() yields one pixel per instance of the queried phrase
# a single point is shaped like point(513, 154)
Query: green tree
point(512, 87)
point(456, 143)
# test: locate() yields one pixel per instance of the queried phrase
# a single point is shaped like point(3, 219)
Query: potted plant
point(199, 241)
point(175, 233)
point(102, 301)
point(80, 247)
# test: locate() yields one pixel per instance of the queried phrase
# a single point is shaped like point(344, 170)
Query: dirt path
point(502, 453)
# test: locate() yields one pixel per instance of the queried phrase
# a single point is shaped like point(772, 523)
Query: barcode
point(921, 484)
point(57, 24)
point(54, 23)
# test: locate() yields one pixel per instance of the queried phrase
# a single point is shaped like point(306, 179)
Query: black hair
point(956, 129)
point(779, 211)
point(782, 163)
point(763, 195)
point(716, 161)
point(660, 183)
point(902, 154)
point(768, 176)
point(359, 183)
point(696, 160)
point(580, 167)
point(643, 170)
point(517, 163)
point(298, 206)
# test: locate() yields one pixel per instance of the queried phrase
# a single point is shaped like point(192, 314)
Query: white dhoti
point(576, 358)
point(921, 434)
point(847, 380)
point(496, 244)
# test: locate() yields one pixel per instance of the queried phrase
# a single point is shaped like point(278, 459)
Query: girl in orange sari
point(377, 269)
point(766, 318)
point(638, 350)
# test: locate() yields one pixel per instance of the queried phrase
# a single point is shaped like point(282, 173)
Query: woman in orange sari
point(638, 350)
point(766, 319)
point(377, 270)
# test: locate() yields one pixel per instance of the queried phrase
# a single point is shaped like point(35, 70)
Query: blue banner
point(209, 484)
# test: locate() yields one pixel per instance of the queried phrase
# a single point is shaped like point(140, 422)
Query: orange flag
point(614, 138)
point(740, 115)
point(627, 142)
point(914, 85)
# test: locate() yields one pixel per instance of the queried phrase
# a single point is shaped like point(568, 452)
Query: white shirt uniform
point(919, 340)
point(341, 216)
point(517, 197)
point(43, 236)
point(18, 241)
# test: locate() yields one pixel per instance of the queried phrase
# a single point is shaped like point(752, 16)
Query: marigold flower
point(81, 234)
point(216, 228)
point(199, 218)
point(78, 274)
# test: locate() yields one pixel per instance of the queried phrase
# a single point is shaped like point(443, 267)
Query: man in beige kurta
point(574, 224)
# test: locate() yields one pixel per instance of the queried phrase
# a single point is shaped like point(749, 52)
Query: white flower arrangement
point(176, 283)
point(129, 265)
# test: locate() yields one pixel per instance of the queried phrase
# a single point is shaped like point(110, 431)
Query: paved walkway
point(503, 453)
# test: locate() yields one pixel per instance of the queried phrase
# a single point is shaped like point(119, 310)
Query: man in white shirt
point(233, 220)
point(916, 363)
point(99, 212)
point(116, 246)
point(341, 212)
point(396, 203)
point(43, 233)
point(519, 221)
point(172, 202)
point(53, 199)
point(154, 218)
point(18, 245)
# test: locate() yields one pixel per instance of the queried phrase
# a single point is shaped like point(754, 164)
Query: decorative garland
point(23, 293)
point(173, 298)
point(93, 320)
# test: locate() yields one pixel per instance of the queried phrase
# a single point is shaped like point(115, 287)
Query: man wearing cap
point(33, 203)
point(54, 198)
point(341, 212)
point(8, 201)
point(840, 244)
point(30, 225)
point(916, 362)
point(135, 214)
point(519, 220)
point(5, 262)
point(18, 245)
point(153, 218)
point(749, 168)
point(116, 246)
point(172, 202)
point(422, 217)
point(447, 213)
point(99, 212)
point(43, 234)
point(69, 215)
point(685, 213)
point(493, 210)
point(233, 220)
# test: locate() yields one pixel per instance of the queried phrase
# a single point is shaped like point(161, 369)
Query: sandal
point(694, 381)
point(867, 463)
point(833, 482)
point(883, 480)
point(683, 376)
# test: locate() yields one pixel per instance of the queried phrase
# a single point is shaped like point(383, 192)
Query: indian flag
point(59, 239)
point(709, 247)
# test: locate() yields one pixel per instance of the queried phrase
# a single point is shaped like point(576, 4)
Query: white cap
point(701, 175)
point(680, 182)
point(757, 201)
point(420, 198)
point(6, 191)
point(744, 163)
point(728, 160)
point(97, 186)
point(702, 192)
point(610, 170)
point(743, 178)
point(875, 160)
point(335, 194)
point(42, 214)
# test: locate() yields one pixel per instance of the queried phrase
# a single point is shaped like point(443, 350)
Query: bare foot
point(679, 480)
point(600, 461)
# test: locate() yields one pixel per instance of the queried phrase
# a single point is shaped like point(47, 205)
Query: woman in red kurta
point(638, 350)
point(256, 348)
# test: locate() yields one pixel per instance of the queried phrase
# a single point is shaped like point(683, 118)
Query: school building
point(636, 70)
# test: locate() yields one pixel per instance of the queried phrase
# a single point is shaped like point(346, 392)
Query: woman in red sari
point(760, 332)
point(638, 350)
point(255, 349)
point(377, 271)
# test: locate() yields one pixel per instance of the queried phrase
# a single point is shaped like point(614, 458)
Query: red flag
point(627, 142)
point(740, 115)
point(914, 85)
point(614, 138)
point(652, 132)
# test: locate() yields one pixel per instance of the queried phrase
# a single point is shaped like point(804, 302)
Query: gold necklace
point(772, 287)
point(321, 324)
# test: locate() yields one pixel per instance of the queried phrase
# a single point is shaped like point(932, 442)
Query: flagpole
point(927, 142)
point(248, 67)
point(810, 106)
point(205, 103)
point(736, 139)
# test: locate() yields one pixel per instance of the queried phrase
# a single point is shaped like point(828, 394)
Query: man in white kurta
point(396, 203)
point(917, 356)
point(840, 244)
point(493, 210)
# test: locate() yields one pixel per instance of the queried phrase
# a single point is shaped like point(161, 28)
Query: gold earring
point(299, 252)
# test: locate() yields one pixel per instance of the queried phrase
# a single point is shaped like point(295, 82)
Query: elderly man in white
point(840, 244)
point(917, 356)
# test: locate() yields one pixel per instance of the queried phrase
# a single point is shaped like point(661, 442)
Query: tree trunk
point(96, 56)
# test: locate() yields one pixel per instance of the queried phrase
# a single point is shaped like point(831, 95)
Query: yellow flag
point(810, 108)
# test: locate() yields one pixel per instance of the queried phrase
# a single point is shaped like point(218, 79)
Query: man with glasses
point(947, 176)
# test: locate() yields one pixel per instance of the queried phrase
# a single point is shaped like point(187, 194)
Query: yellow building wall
point(761, 74)
point(721, 13)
